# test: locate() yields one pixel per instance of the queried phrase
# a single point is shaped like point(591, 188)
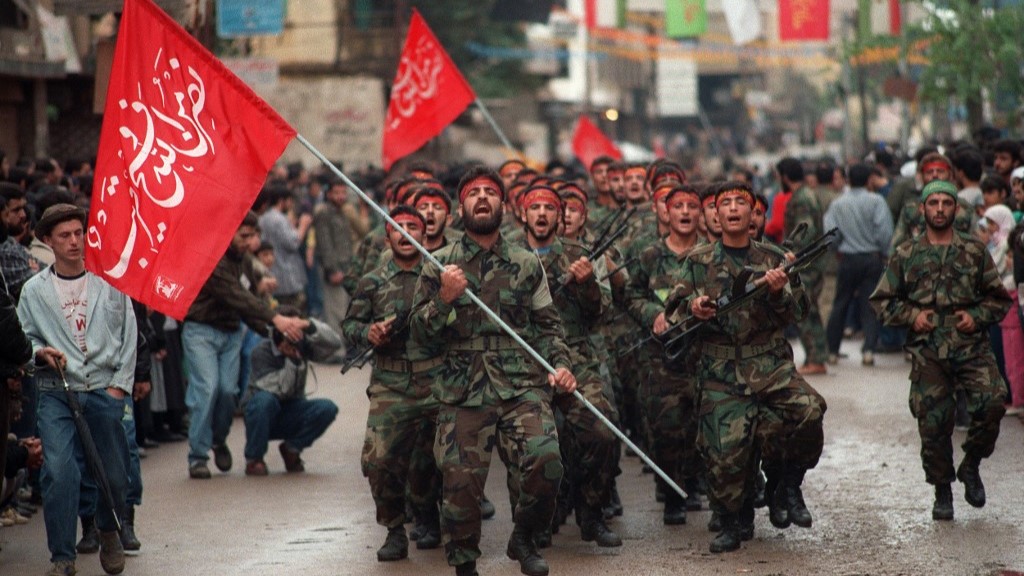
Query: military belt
point(740, 352)
point(484, 343)
point(946, 320)
point(402, 365)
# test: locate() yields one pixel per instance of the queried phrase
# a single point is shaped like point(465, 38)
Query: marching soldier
point(752, 395)
point(668, 396)
point(402, 410)
point(579, 303)
point(488, 387)
point(944, 287)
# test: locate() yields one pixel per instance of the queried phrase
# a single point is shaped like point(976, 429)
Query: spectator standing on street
point(82, 331)
point(277, 228)
point(865, 230)
point(337, 224)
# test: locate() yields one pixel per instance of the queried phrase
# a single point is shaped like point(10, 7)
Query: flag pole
point(497, 129)
point(490, 313)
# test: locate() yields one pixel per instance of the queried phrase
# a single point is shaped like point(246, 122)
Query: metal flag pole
point(497, 129)
point(490, 313)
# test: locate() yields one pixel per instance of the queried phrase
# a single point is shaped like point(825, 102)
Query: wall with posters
point(343, 117)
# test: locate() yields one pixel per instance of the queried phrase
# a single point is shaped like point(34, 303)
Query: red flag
point(184, 150)
point(429, 93)
point(803, 20)
point(588, 142)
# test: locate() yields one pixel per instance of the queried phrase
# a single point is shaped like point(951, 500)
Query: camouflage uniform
point(366, 257)
point(751, 395)
point(489, 386)
point(402, 416)
point(944, 279)
point(803, 207)
point(911, 221)
point(593, 464)
point(668, 397)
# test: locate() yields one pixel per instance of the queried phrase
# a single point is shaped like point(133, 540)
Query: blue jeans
point(298, 422)
point(212, 358)
point(89, 496)
point(249, 343)
point(64, 462)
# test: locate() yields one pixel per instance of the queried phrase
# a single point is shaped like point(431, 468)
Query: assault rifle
point(596, 252)
point(359, 357)
point(679, 338)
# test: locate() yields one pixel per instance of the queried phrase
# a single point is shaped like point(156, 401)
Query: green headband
point(938, 187)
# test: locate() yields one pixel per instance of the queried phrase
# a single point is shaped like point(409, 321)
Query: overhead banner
point(803, 20)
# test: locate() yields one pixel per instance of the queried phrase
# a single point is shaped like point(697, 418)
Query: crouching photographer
point(275, 404)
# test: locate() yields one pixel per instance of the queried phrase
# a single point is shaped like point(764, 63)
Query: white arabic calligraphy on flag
point(184, 150)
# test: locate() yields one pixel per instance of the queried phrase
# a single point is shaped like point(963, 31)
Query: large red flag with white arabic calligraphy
point(429, 93)
point(803, 20)
point(184, 150)
point(588, 142)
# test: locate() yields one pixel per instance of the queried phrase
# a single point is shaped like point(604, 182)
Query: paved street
point(870, 503)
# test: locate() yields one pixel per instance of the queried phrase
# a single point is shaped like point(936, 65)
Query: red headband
point(640, 168)
point(477, 182)
point(662, 191)
point(405, 217)
point(749, 195)
point(709, 200)
point(538, 195)
point(935, 164)
point(676, 191)
point(421, 198)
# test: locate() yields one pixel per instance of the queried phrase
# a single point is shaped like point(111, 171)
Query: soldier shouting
point(489, 386)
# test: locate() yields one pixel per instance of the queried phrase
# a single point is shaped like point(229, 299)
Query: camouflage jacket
point(382, 294)
point(944, 279)
point(753, 332)
point(654, 277)
point(483, 365)
point(911, 222)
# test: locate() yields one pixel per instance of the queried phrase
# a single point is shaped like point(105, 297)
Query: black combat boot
point(614, 507)
point(693, 502)
point(675, 508)
point(943, 508)
point(487, 509)
point(715, 523)
point(467, 569)
point(729, 538)
point(430, 529)
point(778, 505)
point(522, 548)
point(128, 539)
point(395, 547)
point(745, 520)
point(974, 490)
point(798, 513)
point(593, 528)
point(760, 494)
point(90, 542)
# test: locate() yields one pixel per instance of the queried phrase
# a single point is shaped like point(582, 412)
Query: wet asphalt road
point(870, 503)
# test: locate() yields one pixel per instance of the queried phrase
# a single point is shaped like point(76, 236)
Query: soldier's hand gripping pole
point(679, 343)
point(490, 313)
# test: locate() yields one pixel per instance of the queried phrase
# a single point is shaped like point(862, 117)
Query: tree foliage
point(973, 48)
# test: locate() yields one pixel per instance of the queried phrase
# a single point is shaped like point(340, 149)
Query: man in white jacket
point(83, 328)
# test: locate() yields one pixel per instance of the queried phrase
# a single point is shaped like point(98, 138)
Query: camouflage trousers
point(589, 447)
point(523, 430)
point(812, 331)
point(670, 411)
point(933, 383)
point(396, 456)
point(784, 420)
point(631, 372)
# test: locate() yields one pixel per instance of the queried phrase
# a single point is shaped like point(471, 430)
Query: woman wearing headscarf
point(1000, 223)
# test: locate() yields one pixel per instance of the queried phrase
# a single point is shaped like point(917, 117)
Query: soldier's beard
point(484, 224)
point(542, 237)
point(938, 227)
